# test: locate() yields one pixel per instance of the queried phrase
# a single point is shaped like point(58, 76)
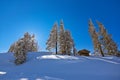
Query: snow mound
point(1, 73)
point(57, 57)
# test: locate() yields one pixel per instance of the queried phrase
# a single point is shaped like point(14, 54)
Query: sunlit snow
point(1, 73)
point(57, 57)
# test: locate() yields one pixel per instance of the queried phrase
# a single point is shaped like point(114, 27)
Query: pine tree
point(27, 40)
point(31, 44)
point(103, 42)
point(62, 38)
point(12, 48)
point(34, 44)
point(22, 47)
point(95, 39)
point(53, 39)
point(68, 42)
point(20, 52)
point(108, 45)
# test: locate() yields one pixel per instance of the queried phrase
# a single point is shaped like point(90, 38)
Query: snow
point(1, 73)
point(46, 66)
point(109, 61)
point(56, 57)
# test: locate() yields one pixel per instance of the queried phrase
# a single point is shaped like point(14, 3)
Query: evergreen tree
point(108, 45)
point(27, 40)
point(103, 42)
point(12, 47)
point(34, 44)
point(31, 44)
point(20, 52)
point(68, 42)
point(62, 38)
point(95, 39)
point(53, 39)
point(65, 40)
point(22, 47)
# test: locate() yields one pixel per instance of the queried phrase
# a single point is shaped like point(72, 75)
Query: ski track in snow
point(113, 62)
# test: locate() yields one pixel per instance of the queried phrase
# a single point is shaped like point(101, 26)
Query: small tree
point(22, 47)
point(20, 52)
point(31, 44)
point(52, 42)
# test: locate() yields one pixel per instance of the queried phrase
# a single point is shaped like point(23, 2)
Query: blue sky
point(38, 17)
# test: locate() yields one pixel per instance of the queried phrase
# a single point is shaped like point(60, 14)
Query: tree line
point(62, 42)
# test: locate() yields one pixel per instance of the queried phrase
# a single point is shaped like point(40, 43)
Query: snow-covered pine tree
point(62, 38)
point(23, 46)
point(52, 42)
point(95, 39)
point(34, 44)
point(31, 44)
point(27, 40)
point(12, 48)
point(20, 52)
point(108, 45)
point(68, 42)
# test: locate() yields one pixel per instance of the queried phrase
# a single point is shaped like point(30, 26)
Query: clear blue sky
point(38, 16)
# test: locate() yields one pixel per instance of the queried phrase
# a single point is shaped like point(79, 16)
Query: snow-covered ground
point(45, 66)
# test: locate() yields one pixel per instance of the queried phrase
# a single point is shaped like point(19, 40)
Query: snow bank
point(57, 57)
point(1, 72)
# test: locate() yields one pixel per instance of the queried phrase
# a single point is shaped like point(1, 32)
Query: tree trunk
point(101, 51)
point(56, 47)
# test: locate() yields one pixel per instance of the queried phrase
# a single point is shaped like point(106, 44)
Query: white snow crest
point(52, 78)
point(57, 57)
point(1, 73)
point(24, 79)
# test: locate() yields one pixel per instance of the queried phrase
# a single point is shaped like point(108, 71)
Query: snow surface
point(46, 66)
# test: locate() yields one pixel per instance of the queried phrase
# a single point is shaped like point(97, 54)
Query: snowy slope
point(44, 66)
